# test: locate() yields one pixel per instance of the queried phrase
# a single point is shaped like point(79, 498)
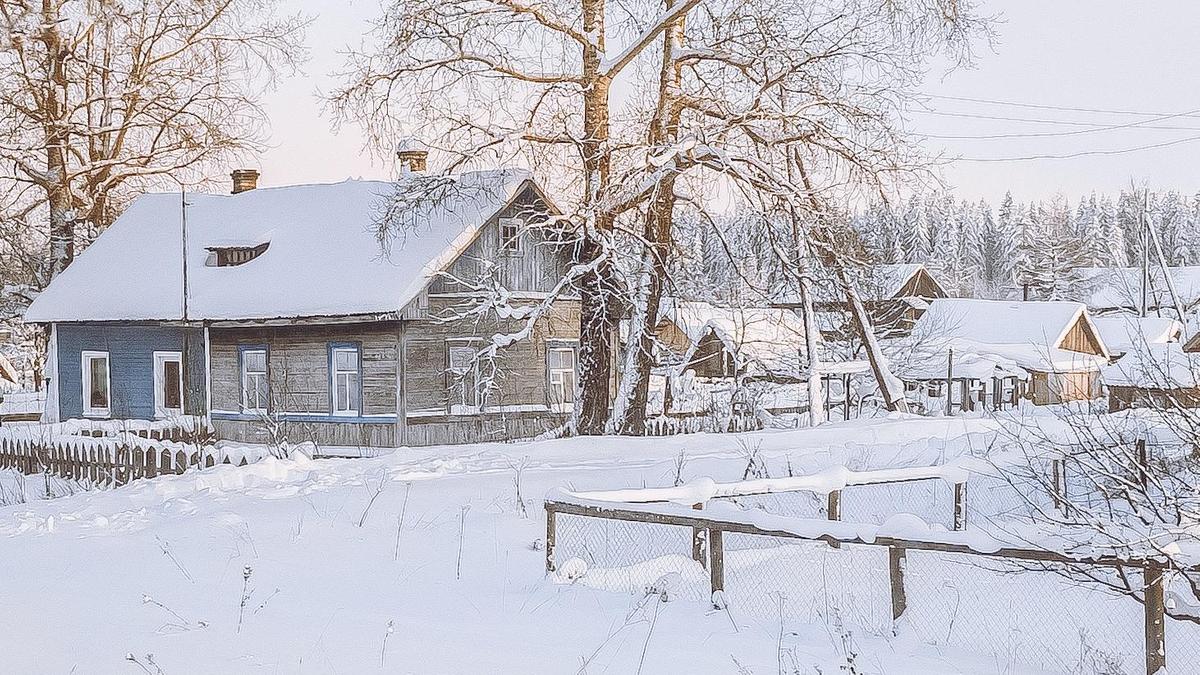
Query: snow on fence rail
point(112, 461)
point(963, 589)
point(833, 484)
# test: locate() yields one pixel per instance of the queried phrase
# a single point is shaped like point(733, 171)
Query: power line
point(1082, 153)
point(1042, 106)
point(1094, 128)
point(1069, 123)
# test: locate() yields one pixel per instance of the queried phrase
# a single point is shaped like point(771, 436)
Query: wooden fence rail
point(103, 463)
point(714, 529)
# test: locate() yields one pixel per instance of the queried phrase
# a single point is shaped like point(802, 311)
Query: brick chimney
point(411, 156)
point(244, 180)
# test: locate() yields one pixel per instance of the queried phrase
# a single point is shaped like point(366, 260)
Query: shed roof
point(1159, 366)
point(1124, 332)
point(1114, 288)
point(1029, 334)
point(323, 256)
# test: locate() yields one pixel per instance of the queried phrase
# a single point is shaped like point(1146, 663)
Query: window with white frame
point(96, 392)
point(168, 384)
point(345, 379)
point(510, 234)
point(462, 370)
point(560, 369)
point(255, 387)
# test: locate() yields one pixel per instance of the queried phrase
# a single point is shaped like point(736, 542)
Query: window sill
point(97, 414)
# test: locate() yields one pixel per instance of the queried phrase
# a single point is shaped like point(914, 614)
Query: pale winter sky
point(1110, 55)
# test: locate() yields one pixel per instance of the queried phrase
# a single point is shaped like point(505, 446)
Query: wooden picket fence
point(671, 425)
point(106, 464)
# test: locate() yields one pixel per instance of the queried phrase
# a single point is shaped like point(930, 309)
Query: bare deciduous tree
point(102, 98)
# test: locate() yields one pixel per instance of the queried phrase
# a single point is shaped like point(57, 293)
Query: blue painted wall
point(130, 350)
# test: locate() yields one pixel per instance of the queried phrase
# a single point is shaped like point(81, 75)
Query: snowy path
point(92, 577)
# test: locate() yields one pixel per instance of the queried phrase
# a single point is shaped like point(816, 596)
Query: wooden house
point(1159, 376)
point(1055, 342)
point(724, 342)
point(894, 295)
point(292, 309)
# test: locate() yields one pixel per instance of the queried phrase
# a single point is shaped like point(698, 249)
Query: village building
point(287, 308)
point(1161, 376)
point(1115, 290)
point(894, 295)
point(1123, 333)
point(1054, 341)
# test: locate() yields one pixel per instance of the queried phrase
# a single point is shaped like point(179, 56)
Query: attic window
point(231, 256)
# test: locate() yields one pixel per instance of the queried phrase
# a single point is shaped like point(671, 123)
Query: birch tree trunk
point(812, 334)
point(630, 411)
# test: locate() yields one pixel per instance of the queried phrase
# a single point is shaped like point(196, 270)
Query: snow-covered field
point(423, 562)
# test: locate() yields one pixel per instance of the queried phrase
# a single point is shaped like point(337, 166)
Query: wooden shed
point(1054, 341)
point(1159, 376)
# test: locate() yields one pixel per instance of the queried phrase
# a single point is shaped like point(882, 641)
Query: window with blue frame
point(345, 379)
point(256, 387)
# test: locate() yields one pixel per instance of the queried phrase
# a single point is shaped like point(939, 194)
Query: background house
point(1055, 342)
point(299, 314)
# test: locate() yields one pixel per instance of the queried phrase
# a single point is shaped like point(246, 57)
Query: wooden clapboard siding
point(299, 364)
point(322, 433)
point(130, 348)
point(521, 367)
point(921, 285)
point(536, 267)
point(1082, 338)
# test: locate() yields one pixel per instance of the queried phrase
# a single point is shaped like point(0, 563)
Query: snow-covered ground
point(423, 562)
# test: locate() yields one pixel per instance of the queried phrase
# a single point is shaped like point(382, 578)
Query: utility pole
point(184, 375)
point(1143, 230)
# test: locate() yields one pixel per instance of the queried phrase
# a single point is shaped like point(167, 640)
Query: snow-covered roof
point(1029, 334)
point(771, 339)
point(1111, 288)
point(1124, 332)
point(1157, 366)
point(323, 257)
point(933, 365)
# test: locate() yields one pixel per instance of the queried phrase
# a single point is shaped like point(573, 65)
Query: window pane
point(461, 358)
point(345, 359)
point(568, 387)
point(556, 359)
point(354, 403)
point(260, 392)
point(254, 361)
point(172, 396)
point(98, 396)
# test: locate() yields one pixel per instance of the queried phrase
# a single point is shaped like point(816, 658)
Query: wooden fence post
point(896, 564)
point(716, 560)
point(960, 506)
point(549, 538)
point(1143, 460)
point(834, 512)
point(1156, 644)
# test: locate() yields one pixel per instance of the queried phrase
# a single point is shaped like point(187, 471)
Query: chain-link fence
point(1014, 608)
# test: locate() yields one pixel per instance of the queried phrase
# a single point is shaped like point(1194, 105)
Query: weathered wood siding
point(521, 378)
point(1081, 338)
point(921, 285)
point(299, 365)
point(711, 359)
point(1121, 398)
point(535, 267)
point(1050, 388)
